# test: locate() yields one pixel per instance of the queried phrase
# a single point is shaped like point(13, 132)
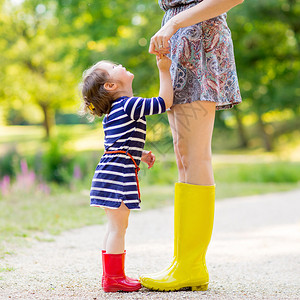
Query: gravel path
point(254, 254)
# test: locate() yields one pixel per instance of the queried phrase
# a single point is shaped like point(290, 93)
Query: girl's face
point(118, 73)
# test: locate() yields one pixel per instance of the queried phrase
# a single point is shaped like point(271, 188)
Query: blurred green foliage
point(266, 37)
point(56, 164)
point(46, 45)
point(9, 162)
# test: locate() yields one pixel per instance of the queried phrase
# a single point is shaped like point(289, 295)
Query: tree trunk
point(241, 129)
point(48, 119)
point(265, 136)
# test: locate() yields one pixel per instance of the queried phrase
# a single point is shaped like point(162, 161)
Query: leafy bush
point(57, 165)
point(9, 163)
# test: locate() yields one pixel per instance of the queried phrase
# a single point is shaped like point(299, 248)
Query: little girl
point(107, 89)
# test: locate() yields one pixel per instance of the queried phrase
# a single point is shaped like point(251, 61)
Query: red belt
point(136, 167)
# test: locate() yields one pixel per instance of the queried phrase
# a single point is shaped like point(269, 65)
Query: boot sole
point(116, 289)
point(202, 287)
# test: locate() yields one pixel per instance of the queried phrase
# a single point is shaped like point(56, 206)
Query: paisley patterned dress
point(203, 66)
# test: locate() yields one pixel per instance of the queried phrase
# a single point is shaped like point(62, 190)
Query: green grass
point(234, 189)
point(24, 218)
point(274, 172)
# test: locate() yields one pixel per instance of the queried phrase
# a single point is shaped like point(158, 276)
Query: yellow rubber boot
point(193, 223)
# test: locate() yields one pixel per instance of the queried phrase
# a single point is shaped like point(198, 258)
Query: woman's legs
point(192, 127)
point(114, 240)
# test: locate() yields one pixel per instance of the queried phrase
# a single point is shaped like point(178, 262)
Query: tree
point(37, 64)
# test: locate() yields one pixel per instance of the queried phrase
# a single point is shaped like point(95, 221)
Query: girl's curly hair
point(96, 100)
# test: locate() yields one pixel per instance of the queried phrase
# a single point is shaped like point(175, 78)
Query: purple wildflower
point(77, 172)
point(5, 185)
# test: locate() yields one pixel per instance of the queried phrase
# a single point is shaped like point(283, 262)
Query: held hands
point(163, 62)
point(159, 43)
point(149, 158)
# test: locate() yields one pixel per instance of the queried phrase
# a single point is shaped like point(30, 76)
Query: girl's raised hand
point(149, 158)
point(163, 62)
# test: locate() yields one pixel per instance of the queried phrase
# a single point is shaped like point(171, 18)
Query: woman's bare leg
point(117, 225)
point(193, 128)
point(172, 121)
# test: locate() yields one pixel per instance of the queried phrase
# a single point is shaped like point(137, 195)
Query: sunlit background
point(48, 153)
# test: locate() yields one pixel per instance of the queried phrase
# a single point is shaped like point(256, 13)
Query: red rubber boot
point(103, 251)
point(131, 279)
point(114, 278)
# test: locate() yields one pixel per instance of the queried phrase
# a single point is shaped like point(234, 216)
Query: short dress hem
point(218, 107)
point(110, 207)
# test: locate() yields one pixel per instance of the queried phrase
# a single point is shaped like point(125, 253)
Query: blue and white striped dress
point(124, 129)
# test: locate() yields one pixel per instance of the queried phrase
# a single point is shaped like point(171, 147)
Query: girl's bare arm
point(165, 81)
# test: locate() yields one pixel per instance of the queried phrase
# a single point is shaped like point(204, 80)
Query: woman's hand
point(159, 43)
point(149, 158)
